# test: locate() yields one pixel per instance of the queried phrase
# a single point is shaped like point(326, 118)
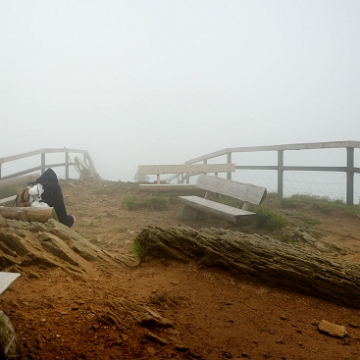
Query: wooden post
point(350, 176)
point(280, 174)
point(42, 163)
point(66, 165)
point(229, 162)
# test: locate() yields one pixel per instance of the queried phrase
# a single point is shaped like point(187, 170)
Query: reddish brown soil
point(213, 315)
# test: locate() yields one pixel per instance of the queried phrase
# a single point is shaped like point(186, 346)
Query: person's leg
point(53, 196)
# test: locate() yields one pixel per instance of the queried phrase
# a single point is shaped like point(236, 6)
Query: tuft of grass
point(156, 203)
point(270, 218)
point(92, 224)
point(138, 249)
point(131, 202)
point(312, 222)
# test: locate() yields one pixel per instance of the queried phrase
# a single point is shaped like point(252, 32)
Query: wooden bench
point(195, 205)
point(6, 279)
point(186, 170)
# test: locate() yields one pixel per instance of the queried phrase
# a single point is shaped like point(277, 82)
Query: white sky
point(162, 81)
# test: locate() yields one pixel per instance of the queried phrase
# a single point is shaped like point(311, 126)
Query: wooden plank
point(167, 187)
point(297, 146)
point(41, 151)
point(226, 212)
point(8, 200)
point(6, 279)
point(245, 192)
point(185, 169)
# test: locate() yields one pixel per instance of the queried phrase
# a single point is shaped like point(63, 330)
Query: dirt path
point(163, 309)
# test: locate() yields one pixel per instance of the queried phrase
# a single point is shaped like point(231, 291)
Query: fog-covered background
point(162, 81)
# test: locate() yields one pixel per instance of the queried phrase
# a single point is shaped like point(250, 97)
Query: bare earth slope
point(116, 307)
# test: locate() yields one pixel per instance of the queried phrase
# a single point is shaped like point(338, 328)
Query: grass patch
point(131, 202)
point(320, 203)
point(312, 222)
point(92, 224)
point(156, 203)
point(270, 218)
point(138, 249)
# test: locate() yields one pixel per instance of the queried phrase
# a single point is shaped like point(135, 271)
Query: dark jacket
point(53, 196)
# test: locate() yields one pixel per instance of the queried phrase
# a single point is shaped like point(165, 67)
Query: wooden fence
point(349, 169)
point(44, 164)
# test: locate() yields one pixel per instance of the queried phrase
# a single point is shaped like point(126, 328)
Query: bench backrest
point(182, 169)
point(244, 192)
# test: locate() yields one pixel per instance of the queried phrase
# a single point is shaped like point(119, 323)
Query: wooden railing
point(349, 169)
point(44, 164)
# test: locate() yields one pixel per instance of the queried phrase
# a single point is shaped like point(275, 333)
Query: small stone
point(331, 329)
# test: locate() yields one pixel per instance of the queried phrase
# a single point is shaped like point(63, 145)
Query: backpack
point(23, 197)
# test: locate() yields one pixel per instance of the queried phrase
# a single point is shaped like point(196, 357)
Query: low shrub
point(270, 218)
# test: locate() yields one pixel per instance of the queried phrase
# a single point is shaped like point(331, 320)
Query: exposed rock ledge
point(49, 244)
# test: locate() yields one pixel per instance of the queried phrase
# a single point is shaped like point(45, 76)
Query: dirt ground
point(204, 313)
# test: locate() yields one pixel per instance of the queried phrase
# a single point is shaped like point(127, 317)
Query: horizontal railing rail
point(43, 163)
point(349, 169)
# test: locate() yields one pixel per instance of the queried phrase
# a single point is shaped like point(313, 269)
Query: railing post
point(350, 176)
point(42, 163)
point(66, 165)
point(280, 174)
point(229, 162)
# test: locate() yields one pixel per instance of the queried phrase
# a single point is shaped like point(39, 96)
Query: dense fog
point(161, 82)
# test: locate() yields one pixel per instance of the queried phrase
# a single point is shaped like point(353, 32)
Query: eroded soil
point(160, 309)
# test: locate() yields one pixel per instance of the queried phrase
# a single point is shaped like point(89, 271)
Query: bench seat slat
point(227, 212)
point(6, 279)
point(167, 187)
